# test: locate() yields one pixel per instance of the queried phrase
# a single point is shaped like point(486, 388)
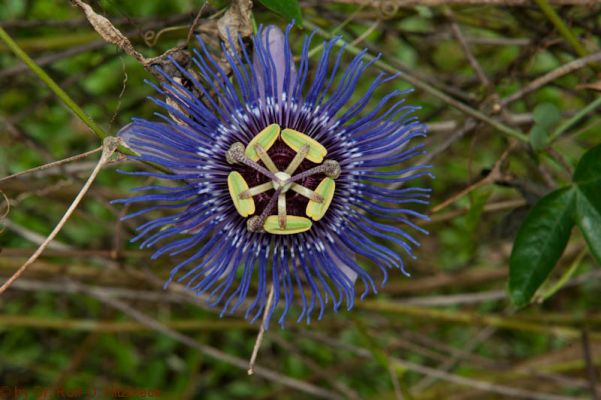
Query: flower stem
point(577, 117)
point(52, 85)
point(563, 29)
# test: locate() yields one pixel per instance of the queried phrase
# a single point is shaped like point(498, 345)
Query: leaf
point(540, 242)
point(289, 9)
point(588, 209)
point(539, 137)
point(546, 115)
point(587, 178)
point(588, 169)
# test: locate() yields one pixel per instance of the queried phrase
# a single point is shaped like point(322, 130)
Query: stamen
point(266, 138)
point(294, 225)
point(236, 185)
point(255, 224)
point(298, 159)
point(281, 181)
point(282, 210)
point(330, 168)
point(265, 158)
point(235, 154)
point(295, 140)
point(253, 191)
point(325, 189)
point(306, 192)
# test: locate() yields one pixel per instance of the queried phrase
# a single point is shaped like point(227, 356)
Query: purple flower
point(283, 178)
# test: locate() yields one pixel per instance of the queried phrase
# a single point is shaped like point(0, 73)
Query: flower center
point(280, 178)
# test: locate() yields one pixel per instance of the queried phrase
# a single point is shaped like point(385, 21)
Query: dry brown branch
point(495, 174)
point(387, 4)
point(212, 352)
point(456, 29)
point(590, 366)
point(52, 164)
point(109, 146)
point(551, 76)
point(112, 35)
point(259, 340)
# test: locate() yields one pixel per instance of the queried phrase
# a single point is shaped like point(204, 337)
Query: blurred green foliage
point(61, 338)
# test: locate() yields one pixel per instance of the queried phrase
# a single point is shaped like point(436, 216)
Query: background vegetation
point(509, 91)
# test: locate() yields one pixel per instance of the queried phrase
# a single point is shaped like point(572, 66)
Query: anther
point(331, 169)
point(235, 154)
point(254, 224)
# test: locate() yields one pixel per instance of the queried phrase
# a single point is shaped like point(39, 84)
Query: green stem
point(565, 277)
point(52, 85)
point(563, 29)
point(575, 118)
point(430, 89)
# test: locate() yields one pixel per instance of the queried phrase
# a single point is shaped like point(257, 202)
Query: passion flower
point(281, 177)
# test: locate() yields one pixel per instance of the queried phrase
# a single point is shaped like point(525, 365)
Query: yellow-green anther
point(306, 192)
point(253, 191)
point(326, 190)
point(265, 158)
point(298, 159)
point(266, 138)
point(295, 140)
point(282, 210)
point(332, 169)
point(254, 224)
point(236, 185)
point(235, 153)
point(294, 225)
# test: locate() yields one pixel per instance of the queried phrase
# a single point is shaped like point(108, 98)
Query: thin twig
point(495, 174)
point(306, 387)
point(196, 21)
point(259, 341)
point(466, 48)
point(52, 164)
point(109, 146)
point(561, 26)
point(421, 84)
point(590, 366)
point(551, 76)
point(435, 3)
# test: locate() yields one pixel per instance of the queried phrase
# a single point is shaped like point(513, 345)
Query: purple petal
point(274, 49)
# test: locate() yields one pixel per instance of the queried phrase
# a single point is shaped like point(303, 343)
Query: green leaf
point(289, 9)
point(588, 218)
point(539, 137)
point(540, 242)
point(546, 115)
point(587, 179)
point(588, 169)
